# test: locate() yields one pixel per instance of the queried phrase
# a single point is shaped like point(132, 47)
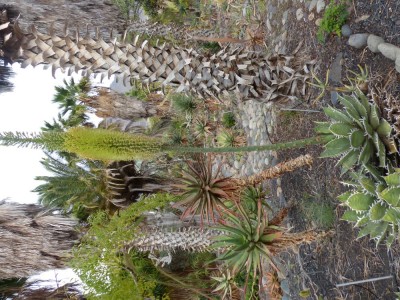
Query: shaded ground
point(339, 258)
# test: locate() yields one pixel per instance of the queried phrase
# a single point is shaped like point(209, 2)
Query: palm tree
point(253, 75)
point(33, 239)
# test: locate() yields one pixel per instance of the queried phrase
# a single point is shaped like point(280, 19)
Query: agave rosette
point(374, 206)
point(204, 191)
point(358, 132)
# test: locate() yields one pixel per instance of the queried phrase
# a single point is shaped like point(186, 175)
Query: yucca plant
point(374, 205)
point(203, 191)
point(358, 133)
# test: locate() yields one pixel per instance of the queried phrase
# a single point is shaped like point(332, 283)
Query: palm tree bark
point(32, 240)
point(250, 74)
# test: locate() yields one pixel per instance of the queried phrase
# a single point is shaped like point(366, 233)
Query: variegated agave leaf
point(374, 206)
point(359, 133)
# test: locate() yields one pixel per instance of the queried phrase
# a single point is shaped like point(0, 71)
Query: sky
point(25, 109)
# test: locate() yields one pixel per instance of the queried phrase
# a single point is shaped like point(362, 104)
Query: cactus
point(357, 132)
point(374, 206)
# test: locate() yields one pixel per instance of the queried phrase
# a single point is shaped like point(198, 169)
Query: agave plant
point(358, 133)
point(203, 190)
point(374, 206)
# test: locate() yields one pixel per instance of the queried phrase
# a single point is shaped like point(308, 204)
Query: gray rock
point(320, 6)
point(285, 17)
point(373, 42)
point(334, 98)
point(358, 40)
point(397, 63)
point(346, 30)
point(389, 50)
point(299, 14)
point(312, 5)
point(236, 164)
point(335, 74)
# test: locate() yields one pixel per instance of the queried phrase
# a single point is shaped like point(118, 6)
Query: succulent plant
point(358, 132)
point(374, 205)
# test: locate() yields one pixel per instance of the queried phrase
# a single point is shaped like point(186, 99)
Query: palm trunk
point(32, 241)
point(252, 75)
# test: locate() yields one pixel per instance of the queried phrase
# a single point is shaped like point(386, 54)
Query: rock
point(397, 63)
point(358, 40)
point(389, 50)
point(312, 5)
point(318, 21)
point(236, 164)
point(285, 17)
point(269, 25)
point(320, 6)
point(373, 42)
point(334, 98)
point(335, 74)
point(299, 14)
point(311, 17)
point(346, 30)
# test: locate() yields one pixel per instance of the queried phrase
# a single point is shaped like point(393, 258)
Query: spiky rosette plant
point(358, 132)
point(374, 206)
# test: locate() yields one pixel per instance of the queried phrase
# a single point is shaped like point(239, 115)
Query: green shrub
point(334, 18)
point(228, 120)
point(211, 47)
point(183, 104)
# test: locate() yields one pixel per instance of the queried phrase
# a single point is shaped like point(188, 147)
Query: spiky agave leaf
point(359, 133)
point(374, 206)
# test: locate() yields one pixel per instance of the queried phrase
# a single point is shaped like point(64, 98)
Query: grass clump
point(334, 18)
point(183, 104)
point(321, 214)
point(228, 120)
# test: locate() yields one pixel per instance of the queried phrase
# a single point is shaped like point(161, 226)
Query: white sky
point(25, 109)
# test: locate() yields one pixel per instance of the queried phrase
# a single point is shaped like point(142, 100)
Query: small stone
point(312, 5)
point(397, 63)
point(285, 17)
point(236, 164)
point(284, 35)
point(320, 6)
point(358, 40)
point(299, 14)
point(389, 50)
point(266, 161)
point(334, 98)
point(318, 21)
point(311, 17)
point(373, 42)
point(277, 48)
point(346, 30)
point(269, 25)
point(245, 123)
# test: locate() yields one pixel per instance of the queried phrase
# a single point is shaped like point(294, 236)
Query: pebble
point(312, 5)
point(299, 14)
point(320, 6)
point(346, 30)
point(389, 50)
point(311, 17)
point(397, 64)
point(269, 25)
point(358, 40)
point(318, 21)
point(285, 17)
point(373, 42)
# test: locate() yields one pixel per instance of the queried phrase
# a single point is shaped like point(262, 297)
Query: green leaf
point(350, 215)
point(392, 179)
point(381, 150)
point(368, 185)
point(341, 129)
point(348, 160)
point(363, 100)
point(361, 109)
point(362, 221)
point(351, 110)
point(378, 230)
point(359, 201)
point(267, 238)
point(384, 128)
point(391, 195)
point(368, 128)
point(374, 172)
point(322, 127)
point(374, 117)
point(344, 197)
point(336, 147)
point(357, 138)
point(377, 212)
point(337, 115)
point(366, 152)
point(367, 229)
point(392, 215)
